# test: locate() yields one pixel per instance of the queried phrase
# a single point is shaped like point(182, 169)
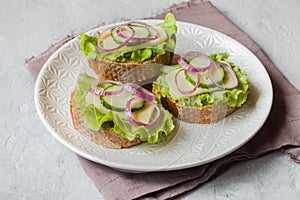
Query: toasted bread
point(197, 114)
point(105, 137)
point(110, 70)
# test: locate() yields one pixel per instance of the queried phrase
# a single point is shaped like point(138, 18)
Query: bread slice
point(197, 114)
point(110, 70)
point(105, 137)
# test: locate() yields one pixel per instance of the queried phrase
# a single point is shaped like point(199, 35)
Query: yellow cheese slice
point(94, 99)
point(184, 85)
point(144, 115)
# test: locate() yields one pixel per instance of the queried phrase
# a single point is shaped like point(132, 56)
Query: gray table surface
point(34, 165)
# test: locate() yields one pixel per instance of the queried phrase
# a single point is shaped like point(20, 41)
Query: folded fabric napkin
point(281, 130)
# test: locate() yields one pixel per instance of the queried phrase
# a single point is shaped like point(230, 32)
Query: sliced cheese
point(141, 32)
point(162, 36)
point(109, 42)
point(184, 85)
point(94, 99)
point(144, 115)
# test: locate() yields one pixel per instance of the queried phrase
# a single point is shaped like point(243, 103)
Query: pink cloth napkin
point(280, 132)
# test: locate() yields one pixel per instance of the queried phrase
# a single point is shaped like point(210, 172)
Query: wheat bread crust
point(110, 70)
point(197, 114)
point(105, 137)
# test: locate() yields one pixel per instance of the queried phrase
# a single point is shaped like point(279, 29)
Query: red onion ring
point(189, 91)
point(148, 26)
point(99, 48)
point(138, 123)
point(121, 35)
point(139, 91)
point(93, 89)
point(119, 32)
point(231, 72)
point(191, 68)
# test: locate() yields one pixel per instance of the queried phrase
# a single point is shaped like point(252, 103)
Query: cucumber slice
point(199, 62)
point(137, 105)
point(140, 32)
point(184, 84)
point(190, 76)
point(115, 37)
point(95, 100)
point(218, 74)
point(112, 40)
point(118, 102)
point(205, 81)
point(115, 102)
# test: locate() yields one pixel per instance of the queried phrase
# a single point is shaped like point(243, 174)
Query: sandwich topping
point(205, 72)
point(134, 112)
point(199, 80)
point(131, 109)
point(134, 40)
point(134, 35)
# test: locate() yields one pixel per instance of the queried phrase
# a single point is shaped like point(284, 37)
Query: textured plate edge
point(130, 168)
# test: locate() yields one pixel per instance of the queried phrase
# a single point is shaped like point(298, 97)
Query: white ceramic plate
point(192, 144)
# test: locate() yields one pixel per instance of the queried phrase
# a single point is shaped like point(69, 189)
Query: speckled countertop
point(34, 165)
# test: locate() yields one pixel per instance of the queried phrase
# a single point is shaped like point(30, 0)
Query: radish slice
point(186, 91)
point(198, 62)
point(93, 89)
point(128, 113)
point(139, 91)
point(230, 81)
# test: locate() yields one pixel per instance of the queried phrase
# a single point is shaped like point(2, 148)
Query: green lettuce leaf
point(169, 25)
point(152, 134)
point(94, 118)
point(233, 97)
point(219, 56)
point(84, 83)
point(88, 45)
